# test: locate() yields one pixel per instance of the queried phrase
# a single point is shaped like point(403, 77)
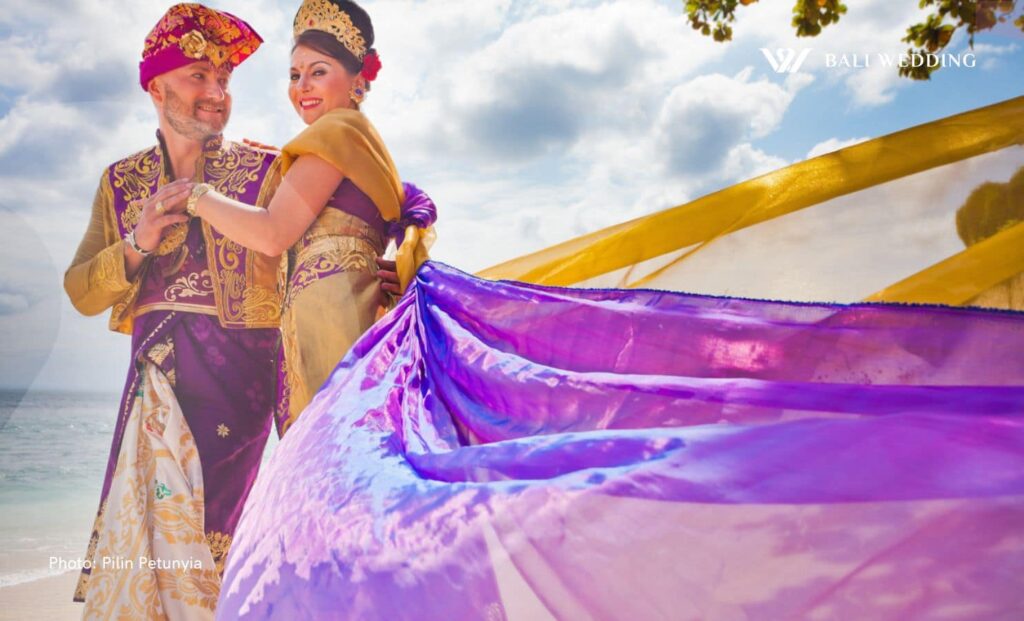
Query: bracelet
point(193, 199)
point(134, 245)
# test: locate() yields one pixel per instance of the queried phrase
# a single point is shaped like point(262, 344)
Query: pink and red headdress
point(190, 32)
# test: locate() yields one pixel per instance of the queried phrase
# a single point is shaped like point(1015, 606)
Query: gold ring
point(159, 208)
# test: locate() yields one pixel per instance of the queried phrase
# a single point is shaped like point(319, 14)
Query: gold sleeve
point(96, 280)
point(265, 268)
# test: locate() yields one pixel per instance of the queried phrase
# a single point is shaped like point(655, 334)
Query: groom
point(202, 311)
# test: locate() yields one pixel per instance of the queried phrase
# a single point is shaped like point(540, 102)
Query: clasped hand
point(161, 211)
point(167, 206)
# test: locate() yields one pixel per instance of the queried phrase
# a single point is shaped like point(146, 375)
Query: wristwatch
point(134, 245)
point(193, 199)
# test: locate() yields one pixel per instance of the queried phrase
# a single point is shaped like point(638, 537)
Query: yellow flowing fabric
point(908, 183)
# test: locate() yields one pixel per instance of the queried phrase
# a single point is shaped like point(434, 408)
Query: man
point(202, 312)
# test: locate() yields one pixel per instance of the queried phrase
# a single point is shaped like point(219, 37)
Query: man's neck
point(182, 152)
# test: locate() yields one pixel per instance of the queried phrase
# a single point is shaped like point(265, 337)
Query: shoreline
point(42, 598)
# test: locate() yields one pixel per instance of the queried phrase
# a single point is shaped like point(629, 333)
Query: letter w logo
point(786, 59)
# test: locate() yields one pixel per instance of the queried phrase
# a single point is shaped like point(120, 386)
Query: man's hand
point(388, 274)
point(152, 222)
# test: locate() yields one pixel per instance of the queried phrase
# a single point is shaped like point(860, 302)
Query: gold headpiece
point(326, 16)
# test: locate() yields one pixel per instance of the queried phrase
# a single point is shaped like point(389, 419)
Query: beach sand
point(44, 600)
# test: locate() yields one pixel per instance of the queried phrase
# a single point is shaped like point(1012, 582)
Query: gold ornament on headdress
point(193, 44)
point(326, 16)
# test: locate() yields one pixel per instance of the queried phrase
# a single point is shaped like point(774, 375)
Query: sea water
point(53, 454)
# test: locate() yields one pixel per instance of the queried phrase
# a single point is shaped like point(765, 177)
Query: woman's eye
point(294, 77)
point(319, 72)
point(197, 76)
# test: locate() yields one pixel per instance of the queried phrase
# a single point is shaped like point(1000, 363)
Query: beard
point(181, 116)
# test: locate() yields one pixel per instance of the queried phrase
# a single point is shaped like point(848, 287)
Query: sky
point(528, 123)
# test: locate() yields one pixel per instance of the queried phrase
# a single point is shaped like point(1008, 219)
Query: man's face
point(195, 100)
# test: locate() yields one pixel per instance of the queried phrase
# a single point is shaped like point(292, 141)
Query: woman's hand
point(160, 211)
point(388, 273)
point(260, 145)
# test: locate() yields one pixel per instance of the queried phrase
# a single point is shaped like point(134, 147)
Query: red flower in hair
point(371, 65)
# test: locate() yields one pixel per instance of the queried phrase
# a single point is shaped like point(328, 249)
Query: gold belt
point(336, 248)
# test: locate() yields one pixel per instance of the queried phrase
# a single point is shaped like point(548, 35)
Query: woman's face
point(318, 83)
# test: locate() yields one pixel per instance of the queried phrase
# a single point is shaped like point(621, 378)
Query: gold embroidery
point(90, 554)
point(108, 270)
point(223, 430)
point(158, 353)
point(110, 273)
point(328, 255)
point(174, 236)
point(248, 299)
point(231, 174)
point(260, 305)
point(240, 299)
point(219, 543)
point(179, 518)
point(192, 285)
point(294, 389)
point(136, 176)
point(196, 588)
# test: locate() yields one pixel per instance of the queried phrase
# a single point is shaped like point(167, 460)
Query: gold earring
point(357, 94)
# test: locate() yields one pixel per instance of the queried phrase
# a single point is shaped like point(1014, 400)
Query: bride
point(339, 202)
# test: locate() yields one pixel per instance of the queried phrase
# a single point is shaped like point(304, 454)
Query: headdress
point(191, 32)
point(325, 16)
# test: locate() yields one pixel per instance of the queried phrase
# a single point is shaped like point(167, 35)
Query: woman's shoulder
point(337, 136)
point(338, 124)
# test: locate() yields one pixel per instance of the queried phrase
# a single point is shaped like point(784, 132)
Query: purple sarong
point(496, 450)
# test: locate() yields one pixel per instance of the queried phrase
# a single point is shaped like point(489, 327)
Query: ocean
point(53, 453)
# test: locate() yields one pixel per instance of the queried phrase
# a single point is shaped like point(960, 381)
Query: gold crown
point(326, 16)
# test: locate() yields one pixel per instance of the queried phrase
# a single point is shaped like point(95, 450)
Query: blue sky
point(528, 122)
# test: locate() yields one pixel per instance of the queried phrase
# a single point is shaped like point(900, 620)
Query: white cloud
point(528, 122)
point(702, 120)
point(869, 27)
point(991, 56)
point(557, 116)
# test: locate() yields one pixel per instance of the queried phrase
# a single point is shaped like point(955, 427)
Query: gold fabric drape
point(936, 160)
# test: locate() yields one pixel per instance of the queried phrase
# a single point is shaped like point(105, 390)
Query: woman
point(337, 205)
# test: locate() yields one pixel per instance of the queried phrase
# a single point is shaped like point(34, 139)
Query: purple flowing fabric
point(417, 210)
point(494, 450)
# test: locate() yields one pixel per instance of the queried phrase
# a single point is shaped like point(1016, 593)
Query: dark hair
point(326, 43)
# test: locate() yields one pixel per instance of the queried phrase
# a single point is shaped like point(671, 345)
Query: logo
point(785, 60)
